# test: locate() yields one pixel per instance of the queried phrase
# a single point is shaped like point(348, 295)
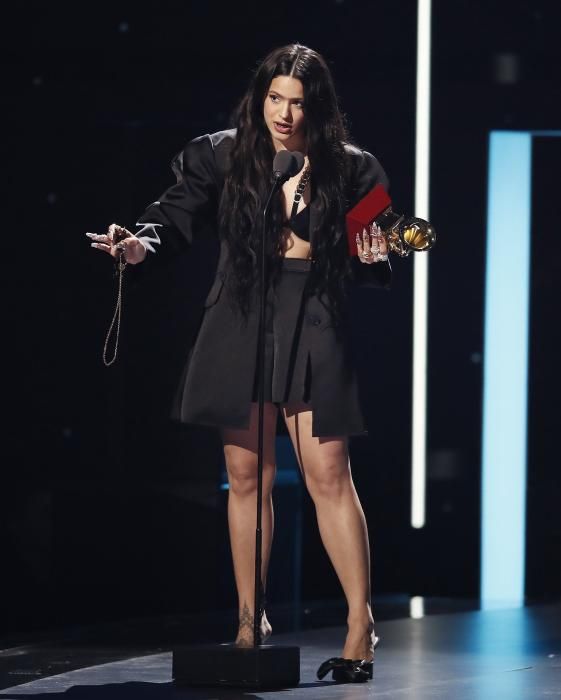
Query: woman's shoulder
point(219, 141)
point(222, 143)
point(223, 139)
point(357, 155)
point(352, 150)
point(365, 170)
point(210, 149)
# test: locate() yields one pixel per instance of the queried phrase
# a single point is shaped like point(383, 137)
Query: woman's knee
point(329, 478)
point(241, 467)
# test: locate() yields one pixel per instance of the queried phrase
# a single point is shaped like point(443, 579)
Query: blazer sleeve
point(367, 174)
point(188, 208)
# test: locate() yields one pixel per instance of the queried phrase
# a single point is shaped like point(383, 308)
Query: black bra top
point(300, 223)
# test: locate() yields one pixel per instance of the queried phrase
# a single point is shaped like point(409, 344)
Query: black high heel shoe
point(348, 670)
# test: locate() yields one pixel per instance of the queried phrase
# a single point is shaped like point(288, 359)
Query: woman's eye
point(274, 98)
point(299, 104)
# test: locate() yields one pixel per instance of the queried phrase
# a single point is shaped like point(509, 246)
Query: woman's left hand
point(119, 240)
point(372, 247)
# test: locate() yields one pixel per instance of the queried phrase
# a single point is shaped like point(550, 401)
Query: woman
point(223, 180)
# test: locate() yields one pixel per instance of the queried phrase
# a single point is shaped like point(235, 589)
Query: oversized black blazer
point(215, 392)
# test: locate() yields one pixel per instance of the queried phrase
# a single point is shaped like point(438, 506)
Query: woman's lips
point(282, 128)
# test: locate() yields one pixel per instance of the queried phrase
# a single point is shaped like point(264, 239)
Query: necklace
point(300, 188)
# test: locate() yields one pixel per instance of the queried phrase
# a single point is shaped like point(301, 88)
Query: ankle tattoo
point(246, 619)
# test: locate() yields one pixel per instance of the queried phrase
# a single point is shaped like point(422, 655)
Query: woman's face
point(284, 113)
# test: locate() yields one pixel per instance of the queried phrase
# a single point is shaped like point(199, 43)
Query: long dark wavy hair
point(250, 175)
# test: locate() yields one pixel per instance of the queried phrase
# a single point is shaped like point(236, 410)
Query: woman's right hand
point(119, 240)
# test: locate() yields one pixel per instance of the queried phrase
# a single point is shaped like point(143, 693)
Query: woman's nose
point(285, 111)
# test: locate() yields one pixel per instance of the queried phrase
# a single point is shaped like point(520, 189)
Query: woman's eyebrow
point(276, 92)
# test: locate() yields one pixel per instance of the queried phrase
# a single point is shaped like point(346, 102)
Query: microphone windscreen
point(288, 163)
point(298, 162)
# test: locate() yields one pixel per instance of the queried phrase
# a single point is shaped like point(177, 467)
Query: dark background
point(107, 509)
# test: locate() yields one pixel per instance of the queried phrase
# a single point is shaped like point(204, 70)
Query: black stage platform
point(491, 655)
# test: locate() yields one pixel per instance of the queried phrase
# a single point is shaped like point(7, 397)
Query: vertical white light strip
point(420, 275)
point(505, 370)
point(417, 607)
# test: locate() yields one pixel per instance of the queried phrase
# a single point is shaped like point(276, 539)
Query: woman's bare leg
point(325, 467)
point(240, 453)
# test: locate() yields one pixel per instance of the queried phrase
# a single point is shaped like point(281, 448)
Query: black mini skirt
point(307, 359)
point(288, 375)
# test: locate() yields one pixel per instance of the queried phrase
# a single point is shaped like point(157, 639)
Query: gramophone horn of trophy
point(403, 234)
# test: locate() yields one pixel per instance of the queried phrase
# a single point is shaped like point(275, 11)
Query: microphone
point(287, 164)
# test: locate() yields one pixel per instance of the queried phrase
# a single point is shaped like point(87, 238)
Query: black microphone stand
point(262, 268)
point(289, 167)
point(259, 666)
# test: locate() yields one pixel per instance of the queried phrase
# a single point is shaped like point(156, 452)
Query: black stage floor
point(491, 655)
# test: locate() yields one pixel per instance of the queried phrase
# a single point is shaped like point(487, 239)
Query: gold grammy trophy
point(406, 234)
point(403, 234)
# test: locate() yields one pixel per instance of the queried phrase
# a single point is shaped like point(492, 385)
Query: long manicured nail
point(93, 245)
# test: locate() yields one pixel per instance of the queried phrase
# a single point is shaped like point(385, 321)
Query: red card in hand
point(364, 213)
